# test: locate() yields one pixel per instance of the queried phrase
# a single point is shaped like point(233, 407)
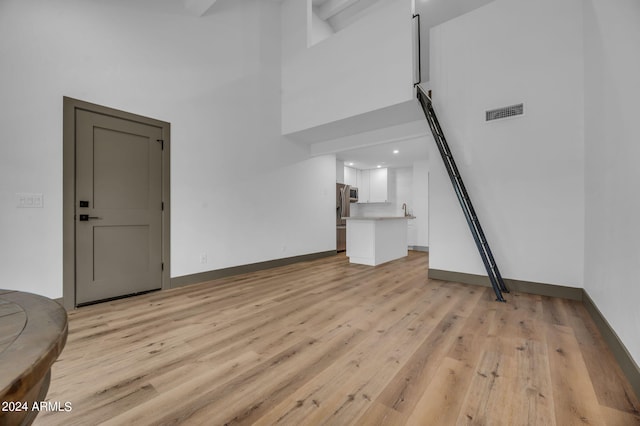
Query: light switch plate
point(28, 200)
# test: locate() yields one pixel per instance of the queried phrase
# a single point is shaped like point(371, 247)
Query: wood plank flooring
point(327, 342)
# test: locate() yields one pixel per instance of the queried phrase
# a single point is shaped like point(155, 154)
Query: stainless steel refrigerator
point(343, 204)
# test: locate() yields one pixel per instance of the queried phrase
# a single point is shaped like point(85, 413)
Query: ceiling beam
point(332, 7)
point(199, 7)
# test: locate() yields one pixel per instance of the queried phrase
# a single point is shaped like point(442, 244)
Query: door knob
point(86, 217)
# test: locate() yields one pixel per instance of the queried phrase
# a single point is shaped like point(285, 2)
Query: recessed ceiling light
point(351, 164)
point(395, 151)
point(378, 166)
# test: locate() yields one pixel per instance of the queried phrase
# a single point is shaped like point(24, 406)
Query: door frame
point(69, 108)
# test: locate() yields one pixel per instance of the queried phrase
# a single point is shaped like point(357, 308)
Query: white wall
point(420, 206)
point(612, 233)
point(339, 171)
point(240, 192)
point(435, 12)
point(524, 175)
point(403, 188)
point(365, 67)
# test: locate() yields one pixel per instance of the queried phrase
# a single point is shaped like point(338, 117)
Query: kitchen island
point(376, 240)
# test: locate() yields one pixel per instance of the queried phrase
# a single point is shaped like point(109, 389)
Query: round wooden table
point(33, 331)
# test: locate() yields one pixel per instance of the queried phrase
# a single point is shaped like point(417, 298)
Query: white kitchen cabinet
point(373, 186)
point(363, 186)
point(350, 176)
point(412, 234)
point(378, 187)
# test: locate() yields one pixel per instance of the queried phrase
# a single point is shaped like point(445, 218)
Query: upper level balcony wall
point(357, 79)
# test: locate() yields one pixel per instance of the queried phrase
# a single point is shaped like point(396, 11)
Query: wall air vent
point(505, 112)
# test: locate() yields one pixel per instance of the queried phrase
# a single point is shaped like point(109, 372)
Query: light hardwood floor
point(327, 342)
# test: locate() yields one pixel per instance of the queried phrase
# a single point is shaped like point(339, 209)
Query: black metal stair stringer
point(497, 283)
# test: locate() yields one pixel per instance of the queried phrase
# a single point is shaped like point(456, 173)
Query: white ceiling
point(370, 157)
point(199, 7)
point(341, 13)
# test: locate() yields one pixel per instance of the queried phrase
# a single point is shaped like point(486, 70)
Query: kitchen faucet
point(404, 207)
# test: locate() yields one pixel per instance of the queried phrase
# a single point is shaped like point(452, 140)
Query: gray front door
point(118, 211)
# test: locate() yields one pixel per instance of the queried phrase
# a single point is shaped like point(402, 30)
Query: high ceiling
point(341, 13)
point(199, 7)
point(432, 13)
point(409, 151)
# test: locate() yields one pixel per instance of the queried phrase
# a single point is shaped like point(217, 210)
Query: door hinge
point(162, 206)
point(161, 143)
point(162, 266)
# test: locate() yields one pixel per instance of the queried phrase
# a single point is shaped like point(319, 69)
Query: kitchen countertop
point(379, 217)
